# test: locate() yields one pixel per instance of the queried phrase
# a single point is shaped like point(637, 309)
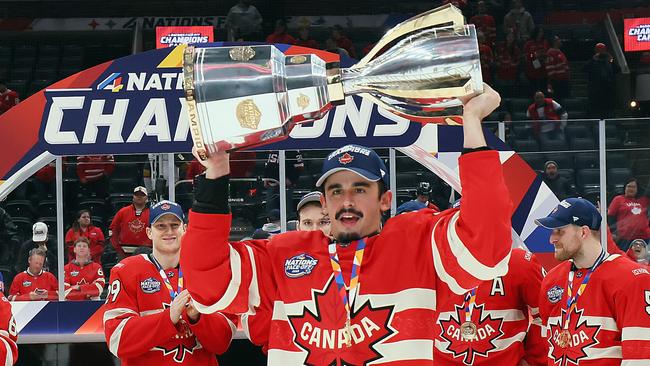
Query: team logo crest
point(299, 265)
point(136, 226)
point(322, 333)
point(488, 330)
point(74, 273)
point(346, 158)
point(583, 336)
point(150, 285)
point(27, 283)
point(554, 294)
point(165, 206)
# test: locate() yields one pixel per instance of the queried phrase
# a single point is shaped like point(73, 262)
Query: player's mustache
point(348, 210)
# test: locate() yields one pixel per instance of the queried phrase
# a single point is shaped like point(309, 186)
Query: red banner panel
point(637, 34)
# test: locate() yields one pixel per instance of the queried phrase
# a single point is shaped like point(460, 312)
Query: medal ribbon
point(470, 303)
point(572, 300)
point(168, 284)
point(347, 293)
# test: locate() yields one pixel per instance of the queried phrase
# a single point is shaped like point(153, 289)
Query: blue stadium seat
point(583, 143)
point(19, 208)
point(554, 145)
point(617, 159)
point(617, 177)
point(535, 160)
point(588, 181)
point(527, 145)
point(46, 208)
point(586, 160)
point(97, 207)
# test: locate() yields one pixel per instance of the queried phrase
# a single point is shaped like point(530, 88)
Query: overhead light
point(633, 104)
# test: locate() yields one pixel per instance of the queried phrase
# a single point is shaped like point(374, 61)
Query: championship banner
point(636, 33)
point(127, 23)
point(175, 36)
point(135, 105)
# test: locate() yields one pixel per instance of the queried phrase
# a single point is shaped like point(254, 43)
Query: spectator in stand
point(508, 56)
point(518, 20)
point(34, 283)
point(280, 34)
point(40, 240)
point(548, 116)
point(84, 278)
point(331, 46)
point(638, 252)
point(295, 166)
point(420, 202)
point(305, 40)
point(93, 172)
point(485, 23)
point(9, 239)
point(600, 82)
point(8, 98)
point(628, 215)
point(557, 70)
point(487, 58)
point(83, 227)
point(342, 41)
point(244, 22)
point(556, 183)
point(127, 231)
point(242, 165)
point(535, 53)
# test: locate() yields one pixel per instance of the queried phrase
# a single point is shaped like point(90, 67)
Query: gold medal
point(468, 331)
point(348, 330)
point(564, 339)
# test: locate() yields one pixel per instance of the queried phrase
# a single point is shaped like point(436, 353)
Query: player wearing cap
point(596, 306)
point(149, 319)
point(127, 231)
point(84, 279)
point(370, 294)
point(311, 215)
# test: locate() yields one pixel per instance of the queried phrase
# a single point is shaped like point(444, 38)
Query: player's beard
point(348, 237)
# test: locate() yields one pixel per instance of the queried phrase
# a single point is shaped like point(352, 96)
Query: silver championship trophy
point(242, 96)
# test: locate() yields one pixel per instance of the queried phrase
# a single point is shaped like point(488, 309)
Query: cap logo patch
point(165, 206)
point(346, 158)
point(565, 204)
point(575, 219)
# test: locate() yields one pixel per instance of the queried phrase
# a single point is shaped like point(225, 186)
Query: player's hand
point(217, 165)
point(192, 313)
point(480, 106)
point(178, 306)
point(34, 296)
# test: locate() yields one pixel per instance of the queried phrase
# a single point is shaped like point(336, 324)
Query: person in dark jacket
point(9, 238)
point(558, 184)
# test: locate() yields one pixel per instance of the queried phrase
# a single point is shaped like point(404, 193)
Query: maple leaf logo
point(323, 334)
point(489, 330)
point(583, 336)
point(180, 345)
point(346, 158)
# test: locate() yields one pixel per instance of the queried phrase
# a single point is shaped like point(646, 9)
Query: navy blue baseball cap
point(165, 207)
point(358, 159)
point(576, 211)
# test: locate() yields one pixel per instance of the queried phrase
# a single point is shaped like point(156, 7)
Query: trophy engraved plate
point(417, 70)
point(298, 59)
point(243, 53)
point(248, 114)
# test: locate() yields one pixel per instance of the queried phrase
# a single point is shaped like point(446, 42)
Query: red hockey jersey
point(8, 334)
point(88, 276)
point(138, 328)
point(128, 229)
point(503, 310)
point(287, 284)
point(26, 282)
point(611, 321)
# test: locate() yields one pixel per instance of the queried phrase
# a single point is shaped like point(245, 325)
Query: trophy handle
point(192, 112)
point(450, 115)
point(441, 16)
